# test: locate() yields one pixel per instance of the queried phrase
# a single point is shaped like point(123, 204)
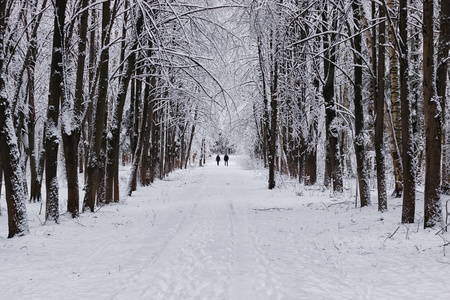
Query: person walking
point(225, 159)
point(218, 159)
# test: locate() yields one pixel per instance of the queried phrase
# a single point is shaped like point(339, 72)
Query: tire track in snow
point(161, 254)
point(189, 261)
point(213, 253)
point(242, 283)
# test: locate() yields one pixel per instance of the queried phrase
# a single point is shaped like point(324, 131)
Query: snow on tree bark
point(9, 149)
point(330, 105)
point(433, 114)
point(360, 151)
point(56, 87)
point(72, 132)
point(379, 108)
point(112, 161)
point(94, 160)
point(441, 87)
point(14, 179)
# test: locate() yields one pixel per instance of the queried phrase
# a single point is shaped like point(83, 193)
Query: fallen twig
point(272, 208)
point(99, 207)
point(391, 235)
point(442, 229)
point(446, 244)
point(337, 203)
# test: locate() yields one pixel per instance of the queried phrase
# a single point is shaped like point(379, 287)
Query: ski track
point(218, 233)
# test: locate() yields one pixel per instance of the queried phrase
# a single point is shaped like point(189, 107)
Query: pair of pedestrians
point(225, 159)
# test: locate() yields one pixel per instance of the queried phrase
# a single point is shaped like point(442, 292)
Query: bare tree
point(363, 178)
point(9, 149)
point(71, 128)
point(335, 170)
point(95, 161)
point(51, 127)
point(409, 184)
point(379, 108)
point(112, 161)
point(433, 116)
point(441, 86)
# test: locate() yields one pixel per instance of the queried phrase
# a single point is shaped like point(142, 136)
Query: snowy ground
point(218, 233)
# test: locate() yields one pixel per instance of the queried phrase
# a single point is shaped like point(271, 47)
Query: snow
point(217, 232)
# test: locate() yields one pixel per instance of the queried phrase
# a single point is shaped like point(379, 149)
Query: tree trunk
point(102, 161)
point(441, 85)
point(409, 184)
point(200, 163)
point(265, 123)
point(154, 150)
point(396, 140)
point(272, 140)
point(112, 161)
point(71, 136)
point(35, 175)
point(191, 138)
point(379, 108)
point(93, 48)
point(55, 94)
point(9, 156)
point(144, 165)
point(332, 137)
point(133, 173)
point(432, 108)
point(360, 151)
point(9, 149)
point(99, 123)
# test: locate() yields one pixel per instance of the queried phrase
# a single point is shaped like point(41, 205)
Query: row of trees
point(367, 73)
point(123, 79)
point(138, 79)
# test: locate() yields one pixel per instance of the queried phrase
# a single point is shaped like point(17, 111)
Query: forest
point(322, 91)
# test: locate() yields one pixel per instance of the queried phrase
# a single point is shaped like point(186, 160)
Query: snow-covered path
point(218, 233)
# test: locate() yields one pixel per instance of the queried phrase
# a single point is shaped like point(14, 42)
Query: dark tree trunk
point(162, 143)
point(409, 183)
point(1, 181)
point(99, 123)
point(137, 154)
point(92, 84)
point(9, 150)
point(112, 161)
point(379, 109)
point(191, 138)
point(154, 150)
point(332, 135)
point(102, 162)
point(136, 113)
point(265, 123)
point(363, 179)
point(71, 137)
point(51, 127)
point(200, 163)
point(272, 140)
point(273, 132)
point(10, 165)
point(144, 165)
point(432, 212)
point(441, 84)
point(310, 166)
point(35, 175)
